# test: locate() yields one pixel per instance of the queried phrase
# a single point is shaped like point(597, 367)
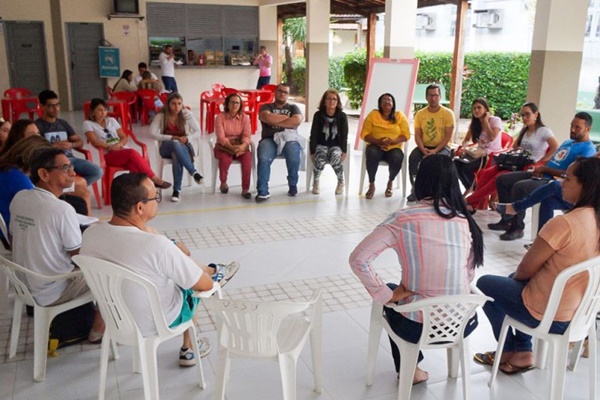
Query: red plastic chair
point(507, 142)
point(109, 91)
point(270, 87)
point(110, 171)
point(217, 87)
point(227, 91)
point(88, 156)
point(261, 98)
point(132, 99)
point(147, 97)
point(209, 104)
point(21, 101)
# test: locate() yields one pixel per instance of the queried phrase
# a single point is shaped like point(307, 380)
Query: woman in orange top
point(385, 130)
point(564, 241)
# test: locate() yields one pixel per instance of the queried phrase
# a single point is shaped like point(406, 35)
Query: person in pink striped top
point(438, 243)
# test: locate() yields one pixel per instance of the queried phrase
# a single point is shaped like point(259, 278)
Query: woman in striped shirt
point(438, 245)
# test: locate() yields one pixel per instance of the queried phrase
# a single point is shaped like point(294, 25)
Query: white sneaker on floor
point(187, 358)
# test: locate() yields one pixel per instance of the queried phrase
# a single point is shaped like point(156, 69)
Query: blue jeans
point(550, 198)
point(87, 170)
point(267, 151)
point(169, 83)
point(179, 153)
point(262, 81)
point(508, 300)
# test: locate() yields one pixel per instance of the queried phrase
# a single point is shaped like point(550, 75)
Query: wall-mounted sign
point(109, 62)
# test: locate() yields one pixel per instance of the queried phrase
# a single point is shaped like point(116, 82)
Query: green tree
point(294, 30)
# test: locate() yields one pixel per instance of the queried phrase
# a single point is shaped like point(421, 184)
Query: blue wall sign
point(109, 62)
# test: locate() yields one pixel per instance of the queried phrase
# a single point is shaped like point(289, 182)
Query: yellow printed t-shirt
point(379, 128)
point(433, 125)
point(574, 237)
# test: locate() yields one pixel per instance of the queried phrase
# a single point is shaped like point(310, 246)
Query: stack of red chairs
point(210, 102)
point(19, 101)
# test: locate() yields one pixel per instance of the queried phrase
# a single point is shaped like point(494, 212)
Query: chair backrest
point(264, 98)
point(4, 228)
point(17, 93)
point(227, 91)
point(444, 318)
point(590, 303)
point(249, 328)
point(129, 97)
point(105, 279)
point(270, 87)
point(217, 87)
point(15, 274)
point(507, 141)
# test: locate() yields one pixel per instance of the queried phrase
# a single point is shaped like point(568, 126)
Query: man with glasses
point(434, 127)
point(62, 136)
point(280, 121)
point(46, 234)
point(129, 241)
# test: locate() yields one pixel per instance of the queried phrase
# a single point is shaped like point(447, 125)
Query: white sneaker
point(223, 273)
point(187, 358)
point(315, 189)
point(339, 189)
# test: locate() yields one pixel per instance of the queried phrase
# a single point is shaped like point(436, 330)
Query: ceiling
point(357, 7)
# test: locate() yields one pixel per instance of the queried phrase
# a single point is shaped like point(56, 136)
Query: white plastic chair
point(345, 164)
point(106, 279)
point(215, 164)
point(3, 277)
point(401, 175)
point(444, 321)
point(581, 326)
point(42, 316)
point(270, 330)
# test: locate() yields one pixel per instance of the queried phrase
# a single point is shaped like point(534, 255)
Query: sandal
point(510, 369)
point(224, 189)
point(370, 193)
point(486, 358)
point(388, 192)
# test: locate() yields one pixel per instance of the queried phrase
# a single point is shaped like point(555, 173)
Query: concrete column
point(556, 55)
point(267, 36)
point(317, 53)
point(400, 24)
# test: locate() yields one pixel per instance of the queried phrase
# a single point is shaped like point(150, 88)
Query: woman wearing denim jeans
point(173, 126)
point(564, 241)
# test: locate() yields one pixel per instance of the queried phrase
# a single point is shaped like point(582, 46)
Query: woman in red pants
point(106, 133)
point(535, 138)
point(232, 128)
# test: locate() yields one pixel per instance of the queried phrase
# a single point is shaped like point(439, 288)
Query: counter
point(192, 80)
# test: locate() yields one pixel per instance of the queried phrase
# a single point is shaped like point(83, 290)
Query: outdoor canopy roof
point(359, 7)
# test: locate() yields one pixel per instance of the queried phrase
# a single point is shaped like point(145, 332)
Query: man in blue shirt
point(517, 185)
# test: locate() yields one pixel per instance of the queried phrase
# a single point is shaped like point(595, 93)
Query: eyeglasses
point(234, 102)
point(157, 198)
point(64, 168)
point(331, 99)
point(52, 105)
point(282, 91)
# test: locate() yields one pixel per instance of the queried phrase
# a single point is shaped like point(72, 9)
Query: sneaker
point(315, 189)
point(339, 189)
point(512, 235)
point(500, 226)
point(187, 358)
point(262, 197)
point(223, 273)
point(411, 197)
point(293, 191)
point(198, 178)
point(175, 197)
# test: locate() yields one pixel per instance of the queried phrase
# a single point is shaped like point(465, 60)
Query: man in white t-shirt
point(128, 241)
point(143, 67)
point(167, 66)
point(46, 233)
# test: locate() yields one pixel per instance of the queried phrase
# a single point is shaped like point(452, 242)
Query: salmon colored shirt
point(227, 127)
point(574, 237)
point(379, 128)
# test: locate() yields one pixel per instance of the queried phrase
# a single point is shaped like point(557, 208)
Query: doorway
point(26, 51)
point(84, 39)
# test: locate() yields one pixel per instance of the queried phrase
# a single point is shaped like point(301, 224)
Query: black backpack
point(72, 326)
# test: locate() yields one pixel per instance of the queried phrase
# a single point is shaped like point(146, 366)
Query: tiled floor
point(287, 247)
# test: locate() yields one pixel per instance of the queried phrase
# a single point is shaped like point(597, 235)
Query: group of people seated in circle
point(438, 242)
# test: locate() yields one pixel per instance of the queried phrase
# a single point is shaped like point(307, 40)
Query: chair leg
point(593, 360)
point(222, 373)
point(287, 367)
point(149, 364)
point(316, 346)
point(575, 355)
point(465, 367)
point(453, 361)
point(540, 352)
point(192, 332)
point(4, 288)
point(16, 326)
point(501, 340)
point(97, 195)
point(105, 347)
point(409, 353)
point(375, 328)
point(41, 328)
point(560, 352)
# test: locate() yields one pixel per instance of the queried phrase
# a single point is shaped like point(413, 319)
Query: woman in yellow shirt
point(385, 130)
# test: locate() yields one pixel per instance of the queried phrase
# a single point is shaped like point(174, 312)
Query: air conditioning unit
point(426, 22)
point(490, 19)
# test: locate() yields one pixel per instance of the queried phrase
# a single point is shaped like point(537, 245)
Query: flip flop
point(513, 369)
point(370, 193)
point(388, 192)
point(486, 358)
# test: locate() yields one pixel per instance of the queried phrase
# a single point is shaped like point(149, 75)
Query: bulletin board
point(397, 77)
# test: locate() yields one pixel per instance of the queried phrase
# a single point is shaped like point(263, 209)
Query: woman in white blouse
point(106, 133)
